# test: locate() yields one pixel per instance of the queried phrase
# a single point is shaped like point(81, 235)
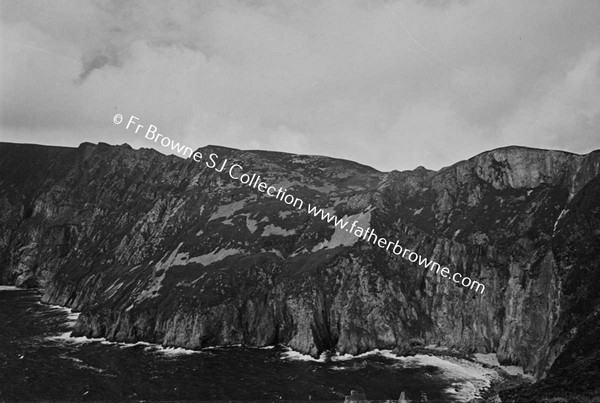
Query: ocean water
point(39, 361)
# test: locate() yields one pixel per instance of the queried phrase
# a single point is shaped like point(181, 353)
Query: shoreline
point(474, 377)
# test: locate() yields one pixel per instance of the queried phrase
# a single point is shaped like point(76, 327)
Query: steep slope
point(171, 251)
point(575, 372)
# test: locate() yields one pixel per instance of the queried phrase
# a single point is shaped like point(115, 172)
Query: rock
point(404, 350)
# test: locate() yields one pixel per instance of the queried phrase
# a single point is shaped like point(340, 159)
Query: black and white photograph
point(300, 201)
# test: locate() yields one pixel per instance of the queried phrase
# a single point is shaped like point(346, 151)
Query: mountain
point(166, 250)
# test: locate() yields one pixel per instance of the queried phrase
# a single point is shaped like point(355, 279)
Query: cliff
point(166, 250)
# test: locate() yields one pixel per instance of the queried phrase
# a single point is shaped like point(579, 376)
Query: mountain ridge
point(226, 148)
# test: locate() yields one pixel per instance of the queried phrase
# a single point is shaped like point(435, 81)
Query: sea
point(40, 361)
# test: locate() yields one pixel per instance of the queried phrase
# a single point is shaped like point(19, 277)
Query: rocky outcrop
point(171, 251)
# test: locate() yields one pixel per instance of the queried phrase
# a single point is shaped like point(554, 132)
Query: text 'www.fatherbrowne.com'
point(236, 172)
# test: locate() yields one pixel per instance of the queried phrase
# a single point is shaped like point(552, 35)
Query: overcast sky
point(390, 84)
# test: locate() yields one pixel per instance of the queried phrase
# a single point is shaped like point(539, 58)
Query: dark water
point(34, 366)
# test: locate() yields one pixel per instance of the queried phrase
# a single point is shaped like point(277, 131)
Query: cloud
point(95, 61)
point(567, 112)
point(392, 84)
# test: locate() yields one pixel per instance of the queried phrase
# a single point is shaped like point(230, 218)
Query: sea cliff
point(157, 248)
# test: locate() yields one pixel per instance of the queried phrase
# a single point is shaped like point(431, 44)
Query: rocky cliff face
point(170, 251)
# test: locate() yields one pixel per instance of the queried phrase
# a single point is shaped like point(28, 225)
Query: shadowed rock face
point(166, 250)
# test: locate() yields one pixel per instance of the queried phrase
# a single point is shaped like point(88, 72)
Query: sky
point(390, 84)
